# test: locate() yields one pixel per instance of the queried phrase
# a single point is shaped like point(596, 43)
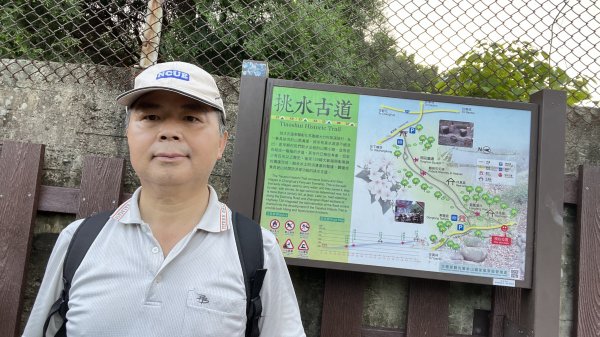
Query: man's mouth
point(169, 156)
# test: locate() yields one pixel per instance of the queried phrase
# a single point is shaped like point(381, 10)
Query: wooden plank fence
point(21, 196)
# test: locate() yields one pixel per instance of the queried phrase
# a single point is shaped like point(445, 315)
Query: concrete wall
point(75, 120)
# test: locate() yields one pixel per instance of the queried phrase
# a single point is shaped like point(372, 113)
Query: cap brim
point(129, 97)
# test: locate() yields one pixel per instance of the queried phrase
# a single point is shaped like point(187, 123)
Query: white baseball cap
point(180, 77)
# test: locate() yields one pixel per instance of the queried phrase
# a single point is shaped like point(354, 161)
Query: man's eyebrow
point(145, 105)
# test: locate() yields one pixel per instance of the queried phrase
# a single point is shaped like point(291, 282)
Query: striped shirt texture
point(125, 286)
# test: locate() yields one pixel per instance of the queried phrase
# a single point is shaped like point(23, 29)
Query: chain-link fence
point(497, 49)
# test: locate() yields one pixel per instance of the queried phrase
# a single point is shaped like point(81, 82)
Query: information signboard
point(399, 183)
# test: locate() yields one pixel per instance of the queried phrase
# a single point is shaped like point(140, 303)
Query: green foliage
point(342, 41)
point(399, 71)
point(99, 31)
point(322, 41)
point(509, 71)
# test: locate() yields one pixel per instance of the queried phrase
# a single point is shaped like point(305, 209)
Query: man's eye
point(150, 117)
point(191, 119)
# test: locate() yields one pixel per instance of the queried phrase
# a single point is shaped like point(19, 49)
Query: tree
point(509, 71)
point(332, 41)
point(94, 31)
point(399, 71)
point(324, 41)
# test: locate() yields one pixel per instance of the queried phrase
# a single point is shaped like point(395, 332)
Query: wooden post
point(427, 308)
point(20, 175)
point(506, 303)
point(101, 184)
point(151, 33)
point(587, 275)
point(342, 304)
point(541, 304)
point(243, 184)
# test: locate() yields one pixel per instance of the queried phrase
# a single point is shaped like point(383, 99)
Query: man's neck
point(173, 208)
point(172, 212)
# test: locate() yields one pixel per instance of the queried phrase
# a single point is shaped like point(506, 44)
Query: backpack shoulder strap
point(248, 239)
point(80, 243)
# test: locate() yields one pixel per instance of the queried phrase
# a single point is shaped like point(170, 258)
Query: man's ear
point(222, 144)
point(127, 120)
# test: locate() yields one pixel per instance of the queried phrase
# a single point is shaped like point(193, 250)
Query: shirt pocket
point(207, 314)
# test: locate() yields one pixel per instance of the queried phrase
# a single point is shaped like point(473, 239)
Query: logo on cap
point(177, 74)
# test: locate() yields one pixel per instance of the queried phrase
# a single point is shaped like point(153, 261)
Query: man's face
point(173, 139)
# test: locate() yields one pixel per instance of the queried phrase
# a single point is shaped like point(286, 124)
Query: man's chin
point(167, 179)
point(171, 175)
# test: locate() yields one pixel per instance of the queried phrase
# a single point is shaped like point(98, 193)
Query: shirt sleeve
point(281, 315)
point(50, 288)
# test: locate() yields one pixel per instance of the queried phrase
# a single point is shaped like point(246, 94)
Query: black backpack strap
point(248, 239)
point(80, 243)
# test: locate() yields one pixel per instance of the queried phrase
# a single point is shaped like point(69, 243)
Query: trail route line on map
point(421, 112)
point(443, 240)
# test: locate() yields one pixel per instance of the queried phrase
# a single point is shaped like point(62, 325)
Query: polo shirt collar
point(216, 218)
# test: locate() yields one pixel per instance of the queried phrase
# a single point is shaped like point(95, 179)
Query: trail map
point(398, 183)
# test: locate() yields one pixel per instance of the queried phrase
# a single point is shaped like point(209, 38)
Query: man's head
point(175, 127)
point(180, 77)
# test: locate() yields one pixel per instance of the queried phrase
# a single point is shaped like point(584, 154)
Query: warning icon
point(290, 225)
point(288, 244)
point(303, 245)
point(304, 226)
point(274, 224)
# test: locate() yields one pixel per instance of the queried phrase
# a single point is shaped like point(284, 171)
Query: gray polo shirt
point(126, 287)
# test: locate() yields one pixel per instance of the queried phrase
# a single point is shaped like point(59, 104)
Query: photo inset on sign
point(409, 211)
point(456, 133)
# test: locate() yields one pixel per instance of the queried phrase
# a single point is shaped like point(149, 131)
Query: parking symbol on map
point(412, 130)
point(274, 224)
point(304, 226)
point(460, 227)
point(290, 225)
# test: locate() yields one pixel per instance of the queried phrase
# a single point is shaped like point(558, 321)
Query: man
point(165, 263)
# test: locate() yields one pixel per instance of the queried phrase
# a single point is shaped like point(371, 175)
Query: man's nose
point(169, 131)
point(169, 137)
